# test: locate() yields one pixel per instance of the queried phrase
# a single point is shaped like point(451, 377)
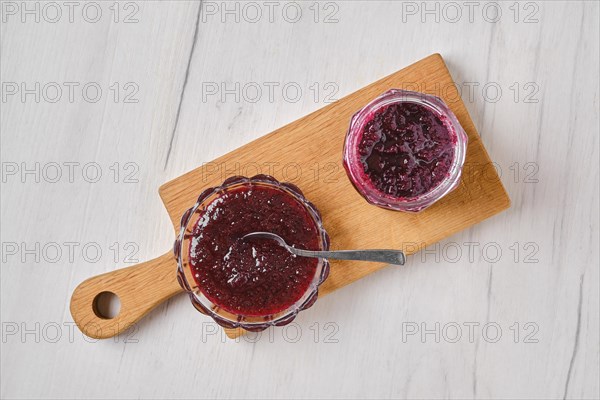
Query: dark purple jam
point(406, 150)
point(254, 276)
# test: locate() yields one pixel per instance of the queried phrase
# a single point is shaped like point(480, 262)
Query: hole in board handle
point(106, 305)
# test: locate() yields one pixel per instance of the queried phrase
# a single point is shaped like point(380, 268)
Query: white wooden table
point(101, 107)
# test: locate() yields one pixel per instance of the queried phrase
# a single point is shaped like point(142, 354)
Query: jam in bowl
point(251, 283)
point(404, 150)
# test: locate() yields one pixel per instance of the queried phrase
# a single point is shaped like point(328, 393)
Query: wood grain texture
point(545, 119)
point(352, 223)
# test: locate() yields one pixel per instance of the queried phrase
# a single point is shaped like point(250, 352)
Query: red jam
point(406, 149)
point(255, 276)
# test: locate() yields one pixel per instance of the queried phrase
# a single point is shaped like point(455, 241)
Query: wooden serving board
point(308, 152)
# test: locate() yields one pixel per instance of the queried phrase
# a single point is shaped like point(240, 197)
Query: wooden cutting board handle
point(140, 288)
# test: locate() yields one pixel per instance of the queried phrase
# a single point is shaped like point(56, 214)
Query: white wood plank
point(174, 54)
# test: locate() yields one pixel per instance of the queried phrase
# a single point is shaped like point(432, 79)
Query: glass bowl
point(354, 167)
point(185, 277)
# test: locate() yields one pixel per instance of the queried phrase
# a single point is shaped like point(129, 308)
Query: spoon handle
point(395, 257)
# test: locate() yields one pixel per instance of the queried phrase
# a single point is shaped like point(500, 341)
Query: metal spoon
point(395, 257)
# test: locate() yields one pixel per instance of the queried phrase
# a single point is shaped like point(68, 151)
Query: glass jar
point(385, 194)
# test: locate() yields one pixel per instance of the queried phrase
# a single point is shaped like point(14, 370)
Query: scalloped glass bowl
point(361, 181)
point(201, 302)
